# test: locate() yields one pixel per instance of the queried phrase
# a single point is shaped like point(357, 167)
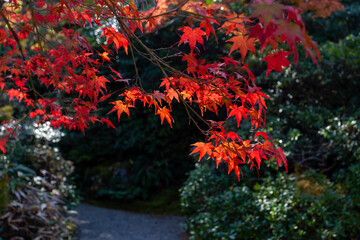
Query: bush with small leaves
point(295, 206)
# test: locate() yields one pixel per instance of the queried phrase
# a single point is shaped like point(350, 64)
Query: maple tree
point(42, 45)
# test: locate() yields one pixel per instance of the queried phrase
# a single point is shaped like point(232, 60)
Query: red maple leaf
point(117, 38)
point(238, 112)
point(37, 112)
point(108, 122)
point(208, 28)
point(277, 61)
point(3, 145)
point(192, 35)
point(229, 60)
point(16, 93)
point(263, 134)
point(280, 158)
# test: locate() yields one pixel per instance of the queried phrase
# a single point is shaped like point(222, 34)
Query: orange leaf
point(114, 36)
point(165, 114)
point(105, 57)
point(121, 107)
point(244, 44)
point(235, 21)
point(171, 94)
point(132, 94)
point(203, 148)
point(192, 35)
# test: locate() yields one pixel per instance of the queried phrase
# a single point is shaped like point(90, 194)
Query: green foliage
point(216, 208)
point(351, 189)
point(283, 207)
point(6, 112)
point(313, 107)
point(339, 25)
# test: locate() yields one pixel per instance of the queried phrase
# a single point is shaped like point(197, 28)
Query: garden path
point(96, 223)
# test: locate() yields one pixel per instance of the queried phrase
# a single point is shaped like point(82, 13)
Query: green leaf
point(209, 2)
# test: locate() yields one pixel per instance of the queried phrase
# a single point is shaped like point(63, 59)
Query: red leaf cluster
point(41, 47)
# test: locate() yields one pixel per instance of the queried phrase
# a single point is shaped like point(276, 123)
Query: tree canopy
point(48, 64)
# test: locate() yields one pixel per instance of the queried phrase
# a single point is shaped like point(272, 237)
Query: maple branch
point(39, 39)
point(138, 79)
point(14, 34)
point(224, 19)
point(36, 27)
point(43, 38)
point(178, 8)
point(158, 61)
point(186, 105)
point(150, 52)
point(151, 16)
point(21, 51)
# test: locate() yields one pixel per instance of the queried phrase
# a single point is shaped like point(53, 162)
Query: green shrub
point(283, 207)
point(309, 102)
point(339, 25)
point(218, 209)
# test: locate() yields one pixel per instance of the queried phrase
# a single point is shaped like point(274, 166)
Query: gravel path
point(95, 223)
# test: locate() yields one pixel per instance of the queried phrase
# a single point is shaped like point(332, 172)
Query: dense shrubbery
point(306, 206)
point(337, 26)
point(315, 109)
point(35, 194)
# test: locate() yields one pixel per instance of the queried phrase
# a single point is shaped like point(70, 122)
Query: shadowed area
point(101, 223)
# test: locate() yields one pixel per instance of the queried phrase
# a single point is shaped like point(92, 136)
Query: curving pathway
point(95, 223)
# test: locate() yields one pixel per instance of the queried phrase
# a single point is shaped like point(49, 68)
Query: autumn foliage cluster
point(43, 47)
